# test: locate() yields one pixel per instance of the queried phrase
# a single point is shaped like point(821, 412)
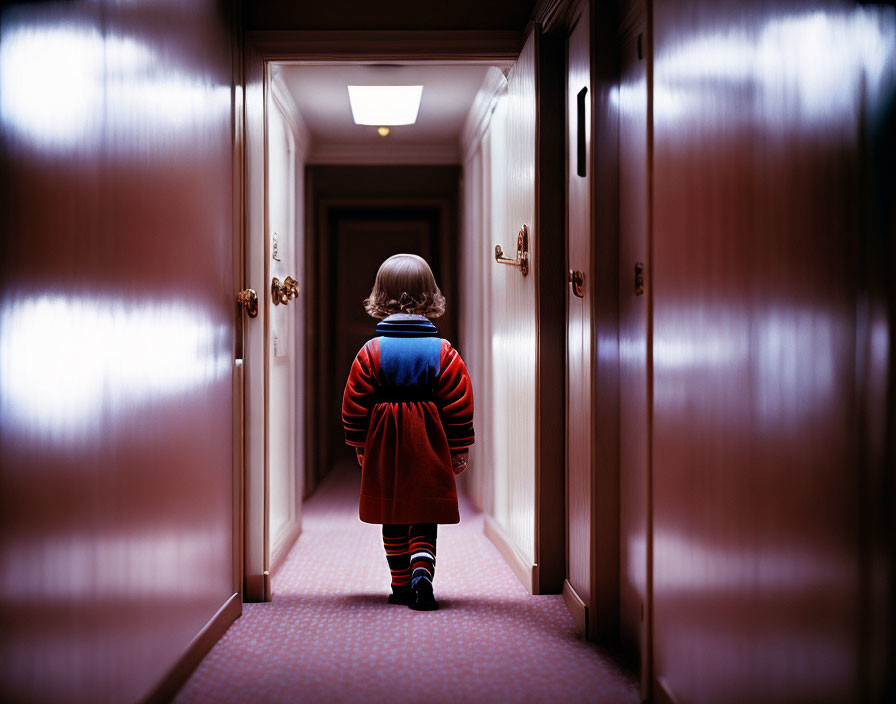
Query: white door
point(274, 347)
point(285, 322)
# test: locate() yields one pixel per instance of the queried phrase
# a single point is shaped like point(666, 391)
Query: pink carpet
point(330, 636)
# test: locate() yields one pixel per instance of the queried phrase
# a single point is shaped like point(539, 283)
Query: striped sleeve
point(360, 390)
point(454, 396)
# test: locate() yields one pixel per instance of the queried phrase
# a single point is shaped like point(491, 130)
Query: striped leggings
point(411, 552)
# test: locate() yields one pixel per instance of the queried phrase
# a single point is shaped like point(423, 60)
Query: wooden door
point(634, 311)
point(578, 588)
point(361, 239)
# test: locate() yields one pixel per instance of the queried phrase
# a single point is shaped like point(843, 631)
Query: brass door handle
point(577, 279)
point(249, 300)
point(282, 292)
point(522, 252)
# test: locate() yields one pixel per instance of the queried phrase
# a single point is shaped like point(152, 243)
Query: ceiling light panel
point(385, 105)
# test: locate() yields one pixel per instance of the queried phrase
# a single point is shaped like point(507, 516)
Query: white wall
point(475, 295)
point(497, 326)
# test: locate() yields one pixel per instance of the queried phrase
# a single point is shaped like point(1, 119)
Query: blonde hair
point(405, 284)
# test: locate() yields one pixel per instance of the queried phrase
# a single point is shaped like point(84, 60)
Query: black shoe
point(423, 600)
point(402, 595)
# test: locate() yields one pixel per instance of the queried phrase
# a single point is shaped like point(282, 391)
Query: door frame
point(635, 27)
point(581, 606)
point(557, 18)
point(499, 48)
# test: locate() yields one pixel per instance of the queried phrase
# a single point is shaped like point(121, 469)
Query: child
point(408, 412)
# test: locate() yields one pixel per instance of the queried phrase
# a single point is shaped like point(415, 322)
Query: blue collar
point(405, 325)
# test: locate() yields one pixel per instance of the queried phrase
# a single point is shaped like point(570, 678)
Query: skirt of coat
point(407, 475)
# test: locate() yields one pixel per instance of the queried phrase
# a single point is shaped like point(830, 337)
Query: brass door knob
point(577, 279)
point(283, 292)
point(248, 299)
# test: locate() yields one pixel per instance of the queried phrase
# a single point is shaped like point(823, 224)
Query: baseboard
point(526, 572)
point(285, 542)
point(577, 608)
point(189, 660)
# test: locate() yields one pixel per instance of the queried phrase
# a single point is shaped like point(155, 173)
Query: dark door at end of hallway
point(360, 240)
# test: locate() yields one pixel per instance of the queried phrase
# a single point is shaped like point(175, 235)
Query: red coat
point(409, 403)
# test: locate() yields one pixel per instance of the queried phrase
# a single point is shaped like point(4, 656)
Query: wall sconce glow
point(385, 105)
point(383, 131)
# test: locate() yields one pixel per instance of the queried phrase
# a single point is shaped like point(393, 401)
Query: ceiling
point(396, 14)
point(321, 96)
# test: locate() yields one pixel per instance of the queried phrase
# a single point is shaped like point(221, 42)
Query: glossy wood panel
point(762, 478)
point(634, 401)
point(876, 312)
point(117, 334)
point(604, 618)
point(579, 383)
point(513, 333)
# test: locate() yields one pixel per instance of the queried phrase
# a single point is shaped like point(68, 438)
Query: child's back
point(408, 411)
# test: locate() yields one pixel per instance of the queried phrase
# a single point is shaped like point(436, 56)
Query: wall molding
point(524, 570)
point(291, 113)
point(384, 154)
point(476, 125)
point(197, 649)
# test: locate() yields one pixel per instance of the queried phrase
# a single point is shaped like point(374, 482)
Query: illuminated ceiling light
point(383, 131)
point(385, 105)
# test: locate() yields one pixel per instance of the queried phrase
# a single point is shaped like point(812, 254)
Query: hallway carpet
point(330, 636)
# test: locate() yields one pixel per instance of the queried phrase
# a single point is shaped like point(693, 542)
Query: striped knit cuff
point(459, 435)
point(355, 438)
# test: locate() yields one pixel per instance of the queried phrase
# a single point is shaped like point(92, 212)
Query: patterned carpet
point(330, 636)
